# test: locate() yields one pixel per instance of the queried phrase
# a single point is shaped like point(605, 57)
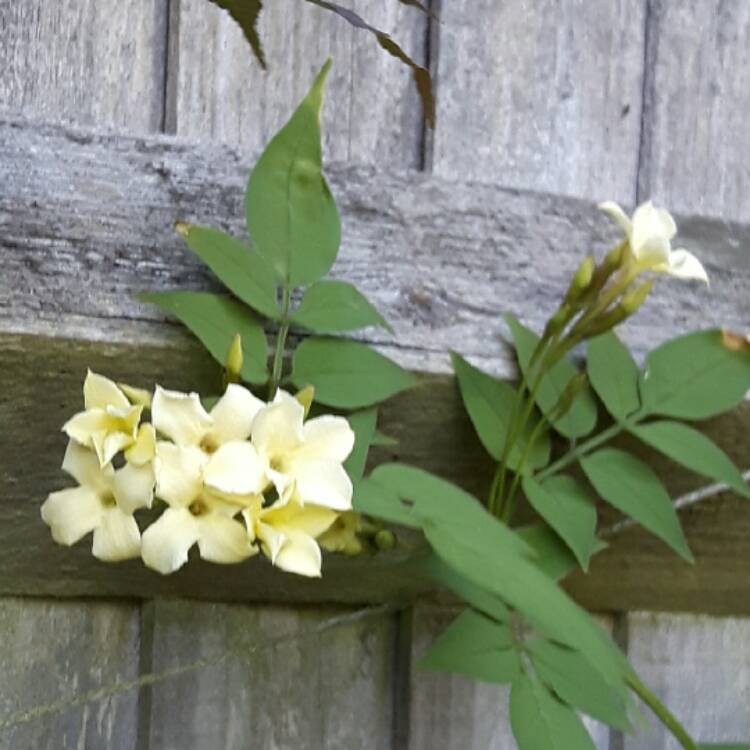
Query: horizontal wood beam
point(86, 220)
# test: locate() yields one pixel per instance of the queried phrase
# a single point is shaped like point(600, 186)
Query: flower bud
point(581, 280)
point(385, 540)
point(235, 358)
point(558, 321)
point(575, 385)
point(306, 397)
point(633, 300)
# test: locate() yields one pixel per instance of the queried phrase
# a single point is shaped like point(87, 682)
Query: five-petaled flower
point(650, 233)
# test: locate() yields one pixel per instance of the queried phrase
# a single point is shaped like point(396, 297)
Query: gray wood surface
point(288, 678)
point(88, 61)
point(51, 653)
point(219, 93)
point(543, 96)
point(696, 108)
point(700, 667)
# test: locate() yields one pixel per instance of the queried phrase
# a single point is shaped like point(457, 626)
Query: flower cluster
point(244, 477)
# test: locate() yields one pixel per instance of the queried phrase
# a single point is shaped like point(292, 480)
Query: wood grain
point(698, 666)
point(288, 678)
point(372, 112)
point(541, 96)
point(696, 108)
point(89, 61)
point(53, 652)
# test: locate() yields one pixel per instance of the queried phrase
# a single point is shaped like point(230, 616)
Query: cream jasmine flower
point(304, 459)
point(287, 534)
point(196, 515)
point(103, 502)
point(650, 233)
point(217, 442)
point(342, 534)
point(108, 423)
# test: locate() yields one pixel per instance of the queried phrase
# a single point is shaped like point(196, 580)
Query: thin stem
point(664, 715)
point(278, 355)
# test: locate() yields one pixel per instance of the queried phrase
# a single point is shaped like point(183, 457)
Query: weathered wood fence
point(119, 116)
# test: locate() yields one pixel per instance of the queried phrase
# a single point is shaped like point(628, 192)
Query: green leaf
point(476, 647)
point(363, 424)
point(581, 417)
point(553, 556)
point(384, 441)
point(577, 683)
point(489, 403)
point(695, 377)
point(613, 374)
point(243, 271)
point(347, 374)
point(540, 722)
point(374, 499)
point(565, 504)
point(632, 487)
point(476, 596)
point(246, 13)
point(693, 450)
point(215, 320)
point(291, 215)
point(332, 306)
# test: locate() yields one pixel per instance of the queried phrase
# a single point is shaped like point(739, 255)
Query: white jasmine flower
point(217, 442)
point(108, 423)
point(304, 459)
point(287, 533)
point(650, 233)
point(103, 503)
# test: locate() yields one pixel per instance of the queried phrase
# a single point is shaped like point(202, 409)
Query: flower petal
point(108, 445)
point(667, 222)
point(71, 514)
point(327, 437)
point(223, 539)
point(180, 416)
point(134, 487)
point(300, 554)
point(178, 473)
point(144, 448)
point(235, 469)
point(165, 544)
point(685, 265)
point(310, 519)
point(277, 428)
point(234, 413)
point(117, 537)
point(323, 483)
point(272, 540)
point(650, 240)
point(83, 465)
point(84, 424)
point(100, 392)
point(615, 213)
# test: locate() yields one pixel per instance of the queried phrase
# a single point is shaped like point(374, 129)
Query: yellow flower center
point(198, 508)
point(108, 500)
point(209, 445)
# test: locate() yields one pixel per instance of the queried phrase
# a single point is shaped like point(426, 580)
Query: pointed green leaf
point(215, 320)
point(476, 647)
point(246, 14)
point(243, 271)
point(333, 306)
point(613, 374)
point(577, 683)
point(540, 722)
point(489, 403)
point(695, 377)
point(384, 441)
point(291, 215)
point(553, 557)
point(374, 499)
point(566, 505)
point(632, 487)
point(347, 374)
point(581, 417)
point(693, 450)
point(363, 424)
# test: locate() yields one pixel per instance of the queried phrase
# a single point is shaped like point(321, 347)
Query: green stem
point(663, 713)
point(278, 355)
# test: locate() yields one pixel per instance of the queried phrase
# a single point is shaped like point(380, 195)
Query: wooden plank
point(542, 96)
point(697, 104)
point(53, 652)
point(699, 667)
point(221, 94)
point(90, 61)
point(87, 220)
point(451, 711)
point(288, 678)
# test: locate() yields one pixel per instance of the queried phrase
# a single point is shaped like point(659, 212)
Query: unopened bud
point(306, 397)
point(235, 358)
point(633, 300)
point(136, 396)
point(385, 540)
point(558, 321)
point(575, 385)
point(581, 279)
